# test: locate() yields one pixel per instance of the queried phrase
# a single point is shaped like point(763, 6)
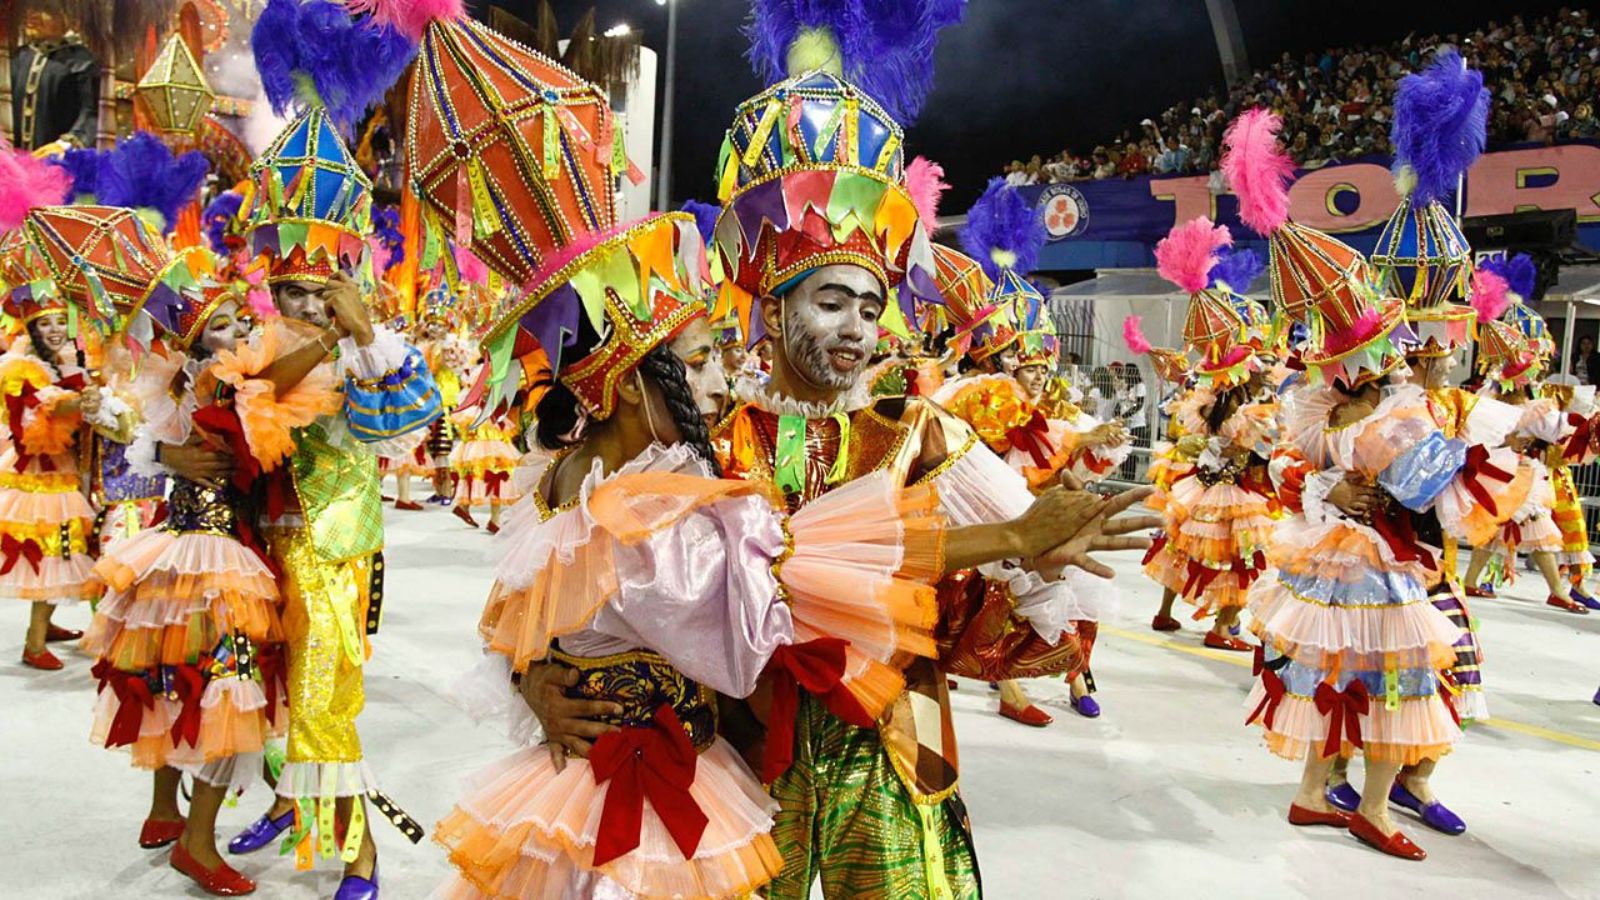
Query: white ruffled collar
point(858, 397)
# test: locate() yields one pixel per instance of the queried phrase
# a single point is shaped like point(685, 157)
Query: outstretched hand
point(1105, 532)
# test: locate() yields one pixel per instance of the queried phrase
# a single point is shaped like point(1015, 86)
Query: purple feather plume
point(886, 46)
point(1237, 268)
point(1441, 118)
point(386, 228)
point(705, 217)
point(216, 216)
point(140, 172)
point(1003, 221)
point(83, 164)
point(349, 63)
point(1519, 271)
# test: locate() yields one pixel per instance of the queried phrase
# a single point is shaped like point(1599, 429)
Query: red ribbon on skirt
point(655, 761)
point(132, 692)
point(12, 550)
point(818, 666)
point(1346, 708)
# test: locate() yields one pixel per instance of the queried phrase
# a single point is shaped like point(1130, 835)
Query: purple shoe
point(1597, 698)
point(1583, 599)
point(1435, 815)
point(1086, 707)
point(1344, 796)
point(260, 833)
point(354, 887)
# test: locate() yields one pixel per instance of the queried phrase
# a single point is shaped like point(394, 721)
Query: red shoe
point(156, 834)
point(1481, 593)
point(223, 881)
point(44, 659)
point(1299, 815)
point(1033, 715)
point(1396, 844)
point(494, 528)
point(465, 515)
point(1567, 604)
point(1218, 642)
point(57, 633)
point(1165, 623)
point(408, 505)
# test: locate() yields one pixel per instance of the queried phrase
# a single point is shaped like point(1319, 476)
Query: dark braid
point(663, 367)
point(556, 414)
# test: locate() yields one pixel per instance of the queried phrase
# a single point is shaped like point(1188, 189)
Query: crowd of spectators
point(1543, 73)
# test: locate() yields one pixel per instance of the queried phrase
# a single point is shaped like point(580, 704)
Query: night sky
point(1020, 77)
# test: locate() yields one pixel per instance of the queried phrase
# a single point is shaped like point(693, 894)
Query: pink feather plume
point(378, 252)
point(925, 183)
point(1133, 335)
point(27, 183)
point(409, 17)
point(1491, 295)
point(1185, 256)
point(1258, 170)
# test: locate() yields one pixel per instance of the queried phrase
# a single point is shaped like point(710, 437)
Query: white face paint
point(702, 368)
point(225, 329)
point(830, 325)
point(302, 300)
point(52, 331)
point(1032, 379)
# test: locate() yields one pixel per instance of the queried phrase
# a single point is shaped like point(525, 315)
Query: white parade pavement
point(1166, 795)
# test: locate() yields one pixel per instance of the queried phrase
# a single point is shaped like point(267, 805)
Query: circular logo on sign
point(1065, 211)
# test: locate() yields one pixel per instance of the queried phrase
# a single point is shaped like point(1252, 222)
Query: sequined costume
point(483, 459)
point(45, 520)
point(1001, 622)
point(188, 637)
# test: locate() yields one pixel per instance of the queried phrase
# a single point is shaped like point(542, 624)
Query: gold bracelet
point(322, 341)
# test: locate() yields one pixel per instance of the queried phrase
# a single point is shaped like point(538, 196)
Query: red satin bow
point(1268, 707)
point(492, 482)
point(1032, 436)
point(12, 550)
point(1345, 709)
point(16, 406)
point(1396, 531)
point(1447, 689)
point(1157, 542)
point(133, 692)
point(190, 686)
point(818, 666)
point(1478, 467)
point(1582, 435)
point(655, 761)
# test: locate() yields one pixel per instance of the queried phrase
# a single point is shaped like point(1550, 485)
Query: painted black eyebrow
point(869, 295)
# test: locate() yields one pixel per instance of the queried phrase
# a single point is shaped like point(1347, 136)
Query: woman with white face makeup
point(45, 519)
point(188, 639)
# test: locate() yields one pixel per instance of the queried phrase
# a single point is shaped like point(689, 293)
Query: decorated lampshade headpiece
point(1171, 365)
point(174, 90)
point(181, 297)
point(1217, 330)
point(26, 184)
point(311, 205)
point(1520, 276)
point(1004, 233)
point(1440, 128)
point(1233, 275)
point(104, 258)
point(812, 170)
point(1505, 355)
point(1355, 333)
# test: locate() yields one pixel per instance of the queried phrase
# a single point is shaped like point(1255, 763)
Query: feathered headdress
point(1258, 170)
point(1188, 253)
point(220, 219)
point(1133, 335)
point(926, 185)
point(141, 173)
point(84, 166)
point(1519, 271)
point(391, 243)
point(1441, 118)
point(311, 53)
point(1213, 328)
point(1236, 269)
point(884, 47)
point(26, 183)
point(1490, 295)
point(1003, 231)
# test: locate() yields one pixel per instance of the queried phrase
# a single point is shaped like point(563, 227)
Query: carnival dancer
point(45, 521)
point(191, 613)
point(308, 221)
point(1218, 516)
point(483, 460)
point(1003, 228)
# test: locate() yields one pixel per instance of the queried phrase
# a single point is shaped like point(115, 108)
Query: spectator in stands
point(1585, 362)
point(1101, 400)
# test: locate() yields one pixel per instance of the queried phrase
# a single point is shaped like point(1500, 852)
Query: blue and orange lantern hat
point(812, 170)
point(1440, 128)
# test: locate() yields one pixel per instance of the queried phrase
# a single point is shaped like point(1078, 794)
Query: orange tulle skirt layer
point(526, 831)
point(235, 719)
point(1367, 638)
point(1421, 729)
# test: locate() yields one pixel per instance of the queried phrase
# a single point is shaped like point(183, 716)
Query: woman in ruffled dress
point(45, 520)
point(188, 638)
point(482, 461)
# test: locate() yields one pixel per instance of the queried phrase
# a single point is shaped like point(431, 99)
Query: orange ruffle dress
point(662, 586)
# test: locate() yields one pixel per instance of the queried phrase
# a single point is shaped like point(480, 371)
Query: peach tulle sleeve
point(46, 428)
point(269, 418)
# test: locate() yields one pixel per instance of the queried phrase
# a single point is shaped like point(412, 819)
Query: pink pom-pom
point(925, 183)
point(1491, 295)
point(1185, 256)
point(1133, 335)
point(379, 253)
point(409, 17)
point(27, 183)
point(473, 270)
point(1258, 170)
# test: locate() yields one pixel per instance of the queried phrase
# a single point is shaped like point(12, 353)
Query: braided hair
point(558, 409)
